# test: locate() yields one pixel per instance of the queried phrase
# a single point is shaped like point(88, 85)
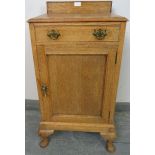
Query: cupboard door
point(76, 87)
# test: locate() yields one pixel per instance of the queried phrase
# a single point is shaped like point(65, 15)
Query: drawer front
point(49, 33)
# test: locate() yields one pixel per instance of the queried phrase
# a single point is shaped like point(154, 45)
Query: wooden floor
point(76, 143)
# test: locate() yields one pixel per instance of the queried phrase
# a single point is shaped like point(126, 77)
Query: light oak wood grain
point(117, 72)
point(77, 48)
point(69, 8)
point(77, 83)
point(76, 33)
point(59, 18)
point(35, 59)
point(77, 75)
point(88, 127)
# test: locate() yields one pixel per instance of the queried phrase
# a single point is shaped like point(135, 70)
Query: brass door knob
point(53, 34)
point(100, 34)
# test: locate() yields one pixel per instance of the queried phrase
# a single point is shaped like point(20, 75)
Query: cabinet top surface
point(87, 11)
point(76, 18)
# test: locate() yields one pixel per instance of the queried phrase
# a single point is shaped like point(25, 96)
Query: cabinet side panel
point(35, 60)
point(117, 71)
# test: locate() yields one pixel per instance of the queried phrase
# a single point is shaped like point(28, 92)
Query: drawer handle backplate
point(53, 34)
point(100, 34)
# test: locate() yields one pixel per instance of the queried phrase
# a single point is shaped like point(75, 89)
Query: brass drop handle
point(100, 33)
point(53, 34)
point(44, 89)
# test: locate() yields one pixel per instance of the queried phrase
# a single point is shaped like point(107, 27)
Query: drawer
point(54, 33)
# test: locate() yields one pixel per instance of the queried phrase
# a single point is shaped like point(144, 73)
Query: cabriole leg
point(45, 137)
point(110, 146)
point(109, 137)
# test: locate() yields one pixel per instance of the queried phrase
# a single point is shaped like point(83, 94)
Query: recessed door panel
point(76, 83)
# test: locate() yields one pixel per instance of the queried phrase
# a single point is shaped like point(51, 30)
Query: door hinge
point(116, 58)
point(109, 115)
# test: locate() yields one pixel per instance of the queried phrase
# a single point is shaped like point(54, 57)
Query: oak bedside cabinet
point(77, 51)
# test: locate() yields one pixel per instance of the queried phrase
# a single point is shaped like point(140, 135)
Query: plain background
point(12, 79)
point(38, 7)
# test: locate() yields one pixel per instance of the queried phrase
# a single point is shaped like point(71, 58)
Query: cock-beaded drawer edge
point(94, 32)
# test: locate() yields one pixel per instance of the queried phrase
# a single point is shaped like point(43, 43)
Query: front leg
point(109, 137)
point(110, 146)
point(44, 134)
